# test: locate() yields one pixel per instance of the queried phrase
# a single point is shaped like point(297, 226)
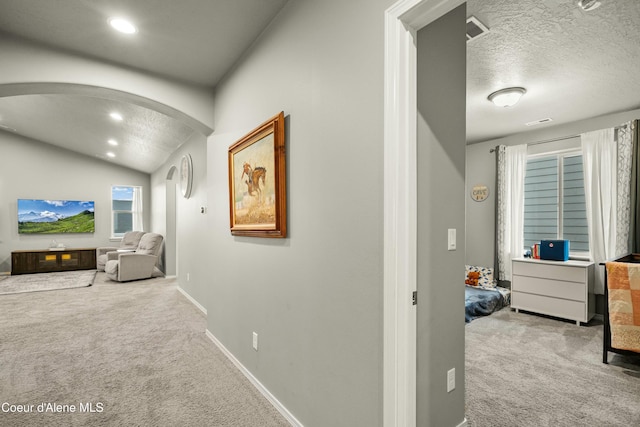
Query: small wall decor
point(257, 182)
point(479, 193)
point(186, 175)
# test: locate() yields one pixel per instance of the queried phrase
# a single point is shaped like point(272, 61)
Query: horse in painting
point(253, 179)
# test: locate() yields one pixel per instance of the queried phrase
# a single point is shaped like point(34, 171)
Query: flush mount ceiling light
point(123, 25)
point(116, 116)
point(589, 5)
point(112, 142)
point(507, 97)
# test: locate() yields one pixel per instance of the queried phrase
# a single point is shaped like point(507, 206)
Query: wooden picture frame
point(257, 182)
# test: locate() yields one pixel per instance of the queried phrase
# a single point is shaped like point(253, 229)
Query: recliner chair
point(140, 264)
point(129, 242)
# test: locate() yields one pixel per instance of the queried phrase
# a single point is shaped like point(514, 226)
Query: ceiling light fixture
point(110, 154)
point(507, 97)
point(589, 5)
point(123, 25)
point(116, 116)
point(113, 142)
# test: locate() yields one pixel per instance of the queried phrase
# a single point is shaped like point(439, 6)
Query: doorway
point(402, 22)
point(171, 247)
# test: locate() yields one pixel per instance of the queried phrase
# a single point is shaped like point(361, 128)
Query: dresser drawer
point(549, 271)
point(551, 306)
point(552, 288)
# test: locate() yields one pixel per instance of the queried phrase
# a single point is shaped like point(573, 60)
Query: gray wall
point(314, 298)
point(481, 170)
point(441, 204)
point(33, 170)
point(190, 225)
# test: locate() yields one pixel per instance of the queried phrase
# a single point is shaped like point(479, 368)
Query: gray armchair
point(136, 265)
point(129, 242)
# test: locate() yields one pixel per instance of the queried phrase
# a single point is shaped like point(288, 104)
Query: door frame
point(402, 22)
point(171, 221)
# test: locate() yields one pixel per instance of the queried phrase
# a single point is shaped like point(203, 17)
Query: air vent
point(539, 122)
point(475, 28)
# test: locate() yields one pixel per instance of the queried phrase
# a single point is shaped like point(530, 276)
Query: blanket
point(623, 284)
point(481, 302)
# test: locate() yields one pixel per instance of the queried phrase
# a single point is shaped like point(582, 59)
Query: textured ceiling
point(574, 64)
point(145, 137)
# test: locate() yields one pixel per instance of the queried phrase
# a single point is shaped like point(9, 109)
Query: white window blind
point(574, 209)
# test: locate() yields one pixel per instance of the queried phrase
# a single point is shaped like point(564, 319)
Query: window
point(554, 201)
point(126, 209)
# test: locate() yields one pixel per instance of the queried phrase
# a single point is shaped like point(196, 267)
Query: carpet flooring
point(46, 281)
point(529, 370)
point(124, 354)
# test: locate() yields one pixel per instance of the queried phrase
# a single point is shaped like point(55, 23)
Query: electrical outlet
point(451, 380)
point(255, 341)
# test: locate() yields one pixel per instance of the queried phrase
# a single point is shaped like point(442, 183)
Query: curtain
point(136, 209)
point(512, 163)
point(634, 203)
point(607, 157)
point(624, 142)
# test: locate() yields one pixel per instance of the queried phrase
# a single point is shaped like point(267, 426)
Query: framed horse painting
point(257, 182)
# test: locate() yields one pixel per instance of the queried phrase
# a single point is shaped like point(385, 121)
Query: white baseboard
point(257, 384)
point(193, 301)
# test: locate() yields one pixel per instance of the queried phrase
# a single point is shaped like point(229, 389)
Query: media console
point(46, 260)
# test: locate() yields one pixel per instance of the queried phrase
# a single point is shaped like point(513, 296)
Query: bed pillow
point(486, 275)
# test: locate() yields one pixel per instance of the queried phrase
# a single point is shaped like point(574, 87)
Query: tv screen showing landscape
point(55, 216)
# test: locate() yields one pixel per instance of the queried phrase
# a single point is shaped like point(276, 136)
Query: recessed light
point(113, 142)
point(123, 25)
point(507, 97)
point(110, 154)
point(116, 116)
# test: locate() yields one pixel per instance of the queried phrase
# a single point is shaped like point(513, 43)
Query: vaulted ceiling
point(574, 65)
point(191, 41)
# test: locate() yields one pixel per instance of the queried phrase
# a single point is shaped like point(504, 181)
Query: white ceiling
point(145, 137)
point(191, 41)
point(574, 65)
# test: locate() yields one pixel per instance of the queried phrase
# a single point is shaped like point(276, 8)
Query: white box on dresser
point(555, 288)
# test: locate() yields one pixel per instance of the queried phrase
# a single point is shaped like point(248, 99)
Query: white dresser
point(556, 288)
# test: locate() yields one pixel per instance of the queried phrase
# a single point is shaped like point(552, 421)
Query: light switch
point(451, 244)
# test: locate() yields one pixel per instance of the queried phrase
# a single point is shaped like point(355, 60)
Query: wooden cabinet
point(45, 260)
point(556, 288)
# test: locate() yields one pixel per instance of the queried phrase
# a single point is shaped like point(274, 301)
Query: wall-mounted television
point(55, 216)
